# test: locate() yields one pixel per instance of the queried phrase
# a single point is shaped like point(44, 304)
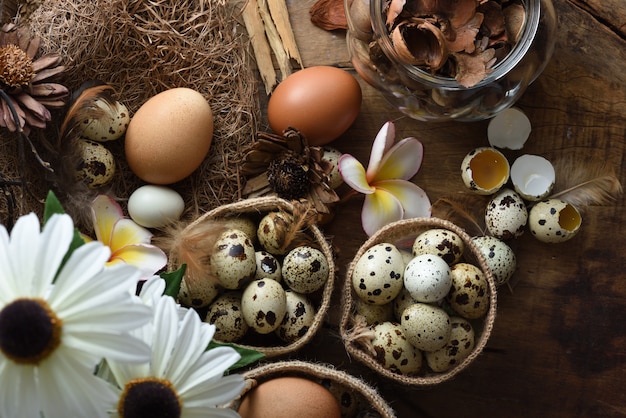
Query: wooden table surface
point(558, 348)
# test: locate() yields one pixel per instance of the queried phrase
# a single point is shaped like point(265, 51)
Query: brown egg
point(289, 397)
point(321, 102)
point(169, 136)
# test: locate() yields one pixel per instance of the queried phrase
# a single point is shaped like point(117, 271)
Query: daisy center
point(149, 397)
point(29, 330)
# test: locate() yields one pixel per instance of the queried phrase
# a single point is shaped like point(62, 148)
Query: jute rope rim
point(266, 204)
point(393, 233)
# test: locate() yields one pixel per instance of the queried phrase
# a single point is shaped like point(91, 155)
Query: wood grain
point(559, 345)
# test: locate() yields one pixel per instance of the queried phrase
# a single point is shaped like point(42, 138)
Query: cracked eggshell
point(305, 269)
point(532, 176)
point(267, 266)
point(226, 314)
point(510, 129)
point(427, 278)
point(499, 257)
point(554, 220)
point(469, 293)
point(427, 327)
point(393, 351)
point(332, 155)
point(440, 242)
point(264, 305)
point(96, 165)
point(197, 294)
point(377, 277)
point(298, 319)
point(460, 345)
point(233, 260)
point(485, 170)
point(506, 215)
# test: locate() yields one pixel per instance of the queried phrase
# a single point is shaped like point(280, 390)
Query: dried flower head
point(27, 91)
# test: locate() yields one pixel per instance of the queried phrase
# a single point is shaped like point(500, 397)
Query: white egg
point(440, 242)
point(264, 305)
point(393, 350)
point(499, 257)
point(532, 176)
point(510, 129)
point(485, 170)
point(154, 206)
point(506, 215)
point(377, 274)
point(554, 220)
point(427, 327)
point(427, 278)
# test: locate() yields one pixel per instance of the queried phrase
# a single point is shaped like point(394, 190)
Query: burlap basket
point(256, 208)
point(402, 231)
point(348, 388)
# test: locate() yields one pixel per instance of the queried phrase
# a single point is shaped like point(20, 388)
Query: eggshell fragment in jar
point(440, 242)
point(499, 257)
point(96, 166)
point(469, 294)
point(427, 278)
point(506, 215)
point(233, 260)
point(485, 170)
point(154, 206)
point(554, 220)
point(267, 266)
point(227, 315)
point(459, 347)
point(321, 102)
point(377, 274)
point(264, 305)
point(169, 136)
point(305, 269)
point(427, 327)
point(197, 293)
point(298, 319)
point(289, 397)
point(532, 176)
point(393, 350)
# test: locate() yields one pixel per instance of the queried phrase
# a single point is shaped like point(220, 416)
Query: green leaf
point(248, 356)
point(173, 280)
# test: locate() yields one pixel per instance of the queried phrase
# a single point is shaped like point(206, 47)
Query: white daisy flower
point(57, 323)
point(182, 379)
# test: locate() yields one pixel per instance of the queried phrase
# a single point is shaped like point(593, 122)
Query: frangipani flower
point(57, 323)
point(389, 195)
point(128, 241)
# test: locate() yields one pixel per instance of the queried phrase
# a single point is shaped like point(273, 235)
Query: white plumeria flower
point(182, 379)
point(57, 323)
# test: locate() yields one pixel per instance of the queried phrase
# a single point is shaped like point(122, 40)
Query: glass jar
point(428, 97)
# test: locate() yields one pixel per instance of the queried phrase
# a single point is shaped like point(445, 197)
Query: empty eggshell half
point(510, 129)
point(533, 177)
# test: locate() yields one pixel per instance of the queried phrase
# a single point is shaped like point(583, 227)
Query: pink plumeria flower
point(389, 195)
point(128, 241)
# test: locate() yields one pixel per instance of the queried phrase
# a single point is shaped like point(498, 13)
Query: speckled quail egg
point(441, 242)
point(499, 257)
point(267, 266)
point(111, 124)
point(244, 224)
point(96, 165)
point(347, 397)
point(426, 327)
point(427, 278)
point(197, 293)
point(401, 302)
point(227, 315)
point(271, 232)
point(305, 269)
point(460, 345)
point(532, 176)
point(233, 260)
point(485, 170)
point(377, 274)
point(374, 314)
point(393, 350)
point(298, 319)
point(264, 305)
point(506, 215)
point(332, 155)
point(469, 294)
point(554, 220)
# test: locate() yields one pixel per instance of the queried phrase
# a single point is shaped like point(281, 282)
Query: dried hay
point(143, 48)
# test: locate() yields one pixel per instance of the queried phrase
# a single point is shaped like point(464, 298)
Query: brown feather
point(466, 210)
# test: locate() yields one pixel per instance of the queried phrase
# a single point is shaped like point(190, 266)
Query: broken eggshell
point(509, 129)
point(554, 220)
point(532, 176)
point(485, 170)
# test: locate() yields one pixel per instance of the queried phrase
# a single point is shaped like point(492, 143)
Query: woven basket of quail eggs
point(264, 277)
point(419, 302)
point(295, 388)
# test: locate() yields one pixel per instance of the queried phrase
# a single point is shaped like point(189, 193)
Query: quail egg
point(244, 224)
point(554, 220)
point(427, 278)
point(332, 156)
point(374, 314)
point(469, 294)
point(197, 293)
point(305, 269)
point(393, 350)
point(459, 346)
point(499, 257)
point(506, 215)
point(485, 170)
point(271, 232)
point(298, 319)
point(440, 242)
point(377, 274)
point(427, 327)
point(347, 397)
point(96, 166)
point(112, 122)
point(264, 305)
point(226, 314)
point(401, 302)
point(233, 259)
point(267, 266)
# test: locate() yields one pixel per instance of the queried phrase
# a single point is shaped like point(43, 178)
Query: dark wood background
point(558, 348)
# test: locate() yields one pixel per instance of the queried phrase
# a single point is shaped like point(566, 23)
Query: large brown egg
point(321, 102)
point(169, 136)
point(289, 397)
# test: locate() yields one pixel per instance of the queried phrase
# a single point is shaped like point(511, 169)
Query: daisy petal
point(120, 347)
point(147, 258)
point(353, 173)
point(384, 141)
point(218, 392)
point(165, 335)
point(402, 161)
point(190, 335)
point(57, 236)
point(412, 198)
point(380, 209)
point(16, 388)
point(8, 285)
point(24, 238)
point(105, 213)
point(213, 364)
point(126, 231)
